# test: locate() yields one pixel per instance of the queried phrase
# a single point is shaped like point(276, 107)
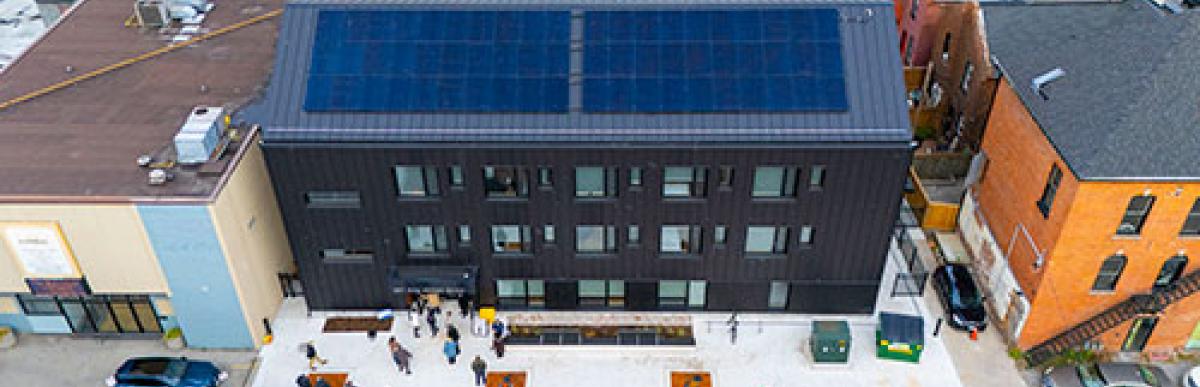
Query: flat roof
point(1128, 105)
point(81, 143)
point(874, 89)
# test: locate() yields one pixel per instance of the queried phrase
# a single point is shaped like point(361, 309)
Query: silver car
point(1106, 375)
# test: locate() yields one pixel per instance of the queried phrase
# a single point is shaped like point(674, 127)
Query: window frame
point(725, 176)
point(429, 181)
point(608, 235)
point(437, 235)
point(686, 301)
point(1109, 274)
point(1050, 190)
point(545, 177)
point(527, 298)
point(457, 179)
point(332, 255)
point(771, 295)
point(1191, 223)
point(548, 234)
point(613, 295)
point(720, 235)
point(696, 185)
point(789, 177)
point(691, 243)
point(1138, 215)
point(347, 199)
point(464, 235)
point(608, 183)
point(816, 177)
point(946, 39)
point(805, 235)
point(524, 237)
point(779, 240)
point(519, 187)
point(27, 299)
point(633, 235)
point(635, 177)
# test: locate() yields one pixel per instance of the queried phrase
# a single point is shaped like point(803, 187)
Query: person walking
point(415, 319)
point(464, 307)
point(498, 346)
point(479, 367)
point(498, 328)
point(432, 320)
point(452, 332)
point(401, 356)
point(421, 302)
point(435, 303)
point(310, 351)
point(451, 351)
point(302, 381)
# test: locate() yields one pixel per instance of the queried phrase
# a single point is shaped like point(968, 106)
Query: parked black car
point(960, 297)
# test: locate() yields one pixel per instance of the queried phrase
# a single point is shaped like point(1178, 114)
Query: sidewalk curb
point(250, 376)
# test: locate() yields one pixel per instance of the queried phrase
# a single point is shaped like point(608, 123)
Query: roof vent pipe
point(1041, 80)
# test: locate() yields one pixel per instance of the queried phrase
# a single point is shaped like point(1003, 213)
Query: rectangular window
point(601, 293)
point(510, 239)
point(680, 239)
point(417, 181)
point(526, 293)
point(635, 176)
point(347, 255)
point(946, 47)
point(464, 234)
point(1049, 191)
point(545, 177)
point(966, 78)
point(1135, 215)
point(635, 234)
point(505, 181)
point(595, 239)
point(719, 235)
point(1110, 273)
point(779, 294)
point(681, 294)
point(1191, 225)
point(684, 182)
point(725, 176)
point(548, 233)
point(456, 176)
point(816, 177)
point(697, 290)
point(774, 182)
point(806, 235)
point(426, 239)
point(766, 239)
point(595, 182)
point(333, 199)
point(38, 305)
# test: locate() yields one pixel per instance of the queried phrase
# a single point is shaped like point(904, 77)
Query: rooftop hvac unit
point(198, 138)
point(151, 13)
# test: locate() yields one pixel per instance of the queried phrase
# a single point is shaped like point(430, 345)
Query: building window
point(680, 239)
point(1110, 272)
point(417, 181)
point(719, 235)
point(510, 239)
point(464, 234)
point(595, 239)
point(505, 181)
point(548, 233)
point(456, 176)
point(966, 78)
point(816, 177)
point(1135, 215)
point(913, 10)
point(333, 199)
point(683, 182)
point(1191, 225)
point(1170, 271)
point(681, 294)
point(946, 47)
point(38, 305)
point(1047, 201)
point(806, 235)
point(635, 176)
point(908, 52)
point(595, 182)
point(766, 239)
point(774, 182)
point(635, 234)
point(725, 176)
point(545, 177)
point(601, 293)
point(426, 239)
point(777, 299)
point(523, 293)
point(347, 255)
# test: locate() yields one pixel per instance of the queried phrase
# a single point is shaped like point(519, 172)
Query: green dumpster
point(900, 337)
point(830, 342)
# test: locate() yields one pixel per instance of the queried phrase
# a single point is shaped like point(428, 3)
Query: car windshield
point(168, 368)
point(962, 292)
point(1090, 375)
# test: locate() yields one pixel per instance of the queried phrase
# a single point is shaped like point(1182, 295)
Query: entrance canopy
point(433, 279)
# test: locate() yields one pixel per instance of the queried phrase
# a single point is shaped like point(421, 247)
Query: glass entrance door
point(98, 314)
point(1139, 333)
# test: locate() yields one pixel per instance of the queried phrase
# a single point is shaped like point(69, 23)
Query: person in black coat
point(432, 320)
point(464, 306)
point(452, 332)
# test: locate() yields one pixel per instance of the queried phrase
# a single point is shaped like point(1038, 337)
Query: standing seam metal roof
point(874, 88)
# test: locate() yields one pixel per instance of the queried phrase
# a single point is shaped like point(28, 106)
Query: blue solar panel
point(440, 61)
point(712, 61)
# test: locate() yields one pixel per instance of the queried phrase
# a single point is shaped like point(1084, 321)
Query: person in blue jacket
point(451, 350)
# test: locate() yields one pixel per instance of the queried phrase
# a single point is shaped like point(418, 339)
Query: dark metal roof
point(875, 91)
point(1128, 107)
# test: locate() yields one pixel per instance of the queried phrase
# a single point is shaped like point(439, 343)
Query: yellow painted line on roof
point(140, 58)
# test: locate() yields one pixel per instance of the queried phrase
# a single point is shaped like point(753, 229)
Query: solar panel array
point(703, 61)
point(439, 61)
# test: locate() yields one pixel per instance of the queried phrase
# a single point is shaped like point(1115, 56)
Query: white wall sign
point(41, 250)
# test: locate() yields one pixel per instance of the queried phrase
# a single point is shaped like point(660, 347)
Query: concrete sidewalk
point(44, 360)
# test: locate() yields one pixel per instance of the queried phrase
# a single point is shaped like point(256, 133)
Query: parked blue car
point(167, 372)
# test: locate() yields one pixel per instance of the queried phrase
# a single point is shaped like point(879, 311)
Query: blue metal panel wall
point(206, 305)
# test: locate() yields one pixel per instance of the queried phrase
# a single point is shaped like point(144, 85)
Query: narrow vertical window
point(1191, 225)
point(806, 235)
point(725, 176)
point(1110, 273)
point(1135, 215)
point(635, 176)
point(464, 234)
point(1047, 200)
point(778, 296)
point(635, 234)
point(545, 177)
point(719, 235)
point(816, 177)
point(946, 47)
point(966, 78)
point(456, 176)
point(548, 233)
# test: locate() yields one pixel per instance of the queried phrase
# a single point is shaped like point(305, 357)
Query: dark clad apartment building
point(640, 156)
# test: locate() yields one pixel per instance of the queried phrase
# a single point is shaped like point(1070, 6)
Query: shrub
point(923, 132)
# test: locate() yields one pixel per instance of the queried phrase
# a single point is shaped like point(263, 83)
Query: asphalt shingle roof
point(1128, 107)
point(874, 86)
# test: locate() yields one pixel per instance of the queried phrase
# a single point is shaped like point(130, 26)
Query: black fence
point(588, 336)
point(911, 282)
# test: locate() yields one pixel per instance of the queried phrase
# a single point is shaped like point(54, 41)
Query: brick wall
point(962, 22)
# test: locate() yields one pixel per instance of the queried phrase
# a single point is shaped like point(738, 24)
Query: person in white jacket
point(415, 319)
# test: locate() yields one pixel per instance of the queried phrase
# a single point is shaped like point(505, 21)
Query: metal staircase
point(1136, 305)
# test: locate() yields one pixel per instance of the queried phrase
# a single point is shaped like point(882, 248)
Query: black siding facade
point(852, 215)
